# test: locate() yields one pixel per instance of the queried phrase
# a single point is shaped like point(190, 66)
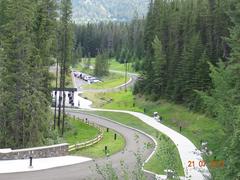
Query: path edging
point(155, 142)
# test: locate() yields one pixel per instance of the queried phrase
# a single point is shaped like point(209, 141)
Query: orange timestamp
point(202, 163)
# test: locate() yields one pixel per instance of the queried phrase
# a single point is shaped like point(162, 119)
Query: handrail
point(89, 142)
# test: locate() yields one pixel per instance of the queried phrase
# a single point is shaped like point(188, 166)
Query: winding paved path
point(87, 170)
point(82, 171)
point(186, 149)
point(79, 82)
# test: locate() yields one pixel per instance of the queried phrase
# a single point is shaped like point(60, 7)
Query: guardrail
point(85, 144)
point(90, 142)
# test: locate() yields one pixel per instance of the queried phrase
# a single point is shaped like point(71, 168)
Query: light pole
point(126, 74)
point(55, 107)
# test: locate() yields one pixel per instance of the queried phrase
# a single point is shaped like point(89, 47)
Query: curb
point(155, 142)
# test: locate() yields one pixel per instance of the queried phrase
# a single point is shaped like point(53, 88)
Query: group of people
point(70, 95)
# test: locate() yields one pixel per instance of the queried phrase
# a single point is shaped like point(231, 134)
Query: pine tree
point(66, 47)
point(45, 41)
point(234, 68)
point(24, 114)
point(159, 67)
point(101, 65)
point(223, 100)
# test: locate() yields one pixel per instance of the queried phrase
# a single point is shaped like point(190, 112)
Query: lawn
point(80, 66)
point(121, 100)
point(165, 158)
point(113, 65)
point(98, 150)
point(111, 81)
point(77, 131)
point(196, 127)
point(116, 66)
point(114, 79)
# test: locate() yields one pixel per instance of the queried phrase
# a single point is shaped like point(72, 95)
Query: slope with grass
point(166, 157)
point(98, 150)
point(116, 66)
point(77, 131)
point(196, 127)
point(114, 79)
point(111, 81)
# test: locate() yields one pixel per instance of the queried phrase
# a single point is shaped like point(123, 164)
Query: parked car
point(86, 78)
point(93, 80)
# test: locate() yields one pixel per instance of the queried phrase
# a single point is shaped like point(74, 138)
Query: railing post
point(105, 150)
point(30, 163)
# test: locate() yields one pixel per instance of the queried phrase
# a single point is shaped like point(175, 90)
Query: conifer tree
point(234, 68)
point(159, 67)
point(45, 25)
point(65, 54)
point(101, 65)
point(223, 100)
point(24, 110)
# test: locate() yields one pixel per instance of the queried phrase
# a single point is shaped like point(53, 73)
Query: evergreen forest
point(186, 52)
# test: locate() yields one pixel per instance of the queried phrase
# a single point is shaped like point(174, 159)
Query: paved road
point(87, 170)
point(78, 83)
point(187, 150)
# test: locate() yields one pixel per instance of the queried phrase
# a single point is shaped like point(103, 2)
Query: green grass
point(111, 81)
point(116, 66)
point(112, 100)
point(77, 131)
point(97, 150)
point(80, 67)
point(166, 155)
point(161, 159)
point(196, 127)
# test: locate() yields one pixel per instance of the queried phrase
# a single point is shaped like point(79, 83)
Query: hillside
point(108, 10)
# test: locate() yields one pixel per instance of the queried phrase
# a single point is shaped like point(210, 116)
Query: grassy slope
point(114, 65)
point(97, 150)
point(195, 126)
point(154, 164)
point(111, 81)
point(79, 67)
point(77, 131)
point(120, 100)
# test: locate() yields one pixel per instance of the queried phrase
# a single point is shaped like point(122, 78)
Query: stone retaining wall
point(37, 152)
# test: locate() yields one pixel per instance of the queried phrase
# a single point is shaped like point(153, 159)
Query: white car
point(86, 78)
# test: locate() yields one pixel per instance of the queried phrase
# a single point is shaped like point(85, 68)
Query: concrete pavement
point(13, 166)
point(187, 150)
point(88, 170)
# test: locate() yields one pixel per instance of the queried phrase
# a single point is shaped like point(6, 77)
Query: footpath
point(187, 150)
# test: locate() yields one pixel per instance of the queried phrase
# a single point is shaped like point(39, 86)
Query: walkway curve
point(187, 150)
point(130, 83)
point(87, 170)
